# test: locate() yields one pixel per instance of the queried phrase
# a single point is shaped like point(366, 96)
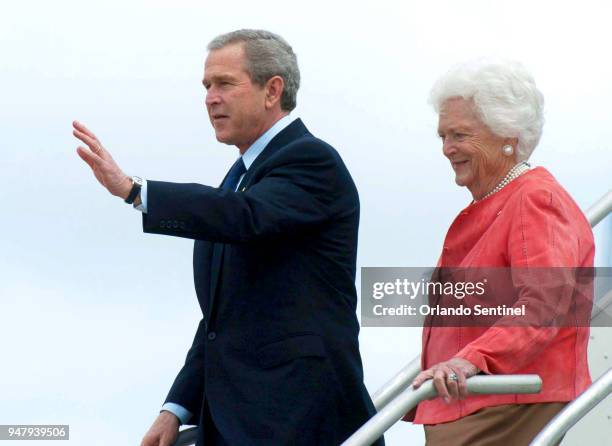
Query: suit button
point(212, 336)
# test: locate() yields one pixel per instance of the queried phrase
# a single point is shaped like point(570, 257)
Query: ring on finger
point(453, 377)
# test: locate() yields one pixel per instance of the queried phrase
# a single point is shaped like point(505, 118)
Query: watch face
point(137, 180)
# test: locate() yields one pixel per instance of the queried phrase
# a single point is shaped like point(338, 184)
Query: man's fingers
point(150, 440)
point(89, 157)
point(167, 437)
point(81, 128)
point(93, 143)
point(166, 440)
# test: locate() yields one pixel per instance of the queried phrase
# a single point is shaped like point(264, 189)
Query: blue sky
point(97, 317)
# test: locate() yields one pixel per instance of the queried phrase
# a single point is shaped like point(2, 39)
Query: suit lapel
point(289, 134)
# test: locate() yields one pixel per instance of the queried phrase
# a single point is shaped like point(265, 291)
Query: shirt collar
point(260, 143)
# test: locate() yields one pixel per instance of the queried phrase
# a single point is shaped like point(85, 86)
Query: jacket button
point(212, 336)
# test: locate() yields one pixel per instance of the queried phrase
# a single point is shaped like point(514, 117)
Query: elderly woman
point(490, 121)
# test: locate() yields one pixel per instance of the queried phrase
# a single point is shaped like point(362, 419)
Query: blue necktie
point(234, 174)
point(230, 183)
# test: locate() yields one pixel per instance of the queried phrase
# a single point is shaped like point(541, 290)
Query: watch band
point(136, 187)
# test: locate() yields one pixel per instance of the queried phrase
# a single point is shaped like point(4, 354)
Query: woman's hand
point(449, 378)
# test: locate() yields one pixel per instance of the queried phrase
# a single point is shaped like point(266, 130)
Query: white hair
point(505, 98)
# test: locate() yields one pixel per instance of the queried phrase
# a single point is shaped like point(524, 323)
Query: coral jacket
point(532, 222)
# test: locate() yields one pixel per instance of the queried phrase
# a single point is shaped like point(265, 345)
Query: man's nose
point(212, 97)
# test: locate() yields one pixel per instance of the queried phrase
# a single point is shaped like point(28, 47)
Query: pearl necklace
point(512, 174)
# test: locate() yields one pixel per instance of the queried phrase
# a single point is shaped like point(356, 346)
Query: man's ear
point(274, 89)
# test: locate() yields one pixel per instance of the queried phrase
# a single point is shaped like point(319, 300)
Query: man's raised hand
point(104, 167)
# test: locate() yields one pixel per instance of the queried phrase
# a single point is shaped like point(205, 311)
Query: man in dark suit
point(275, 359)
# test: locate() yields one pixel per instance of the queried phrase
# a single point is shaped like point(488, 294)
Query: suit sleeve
point(300, 190)
point(188, 386)
point(539, 242)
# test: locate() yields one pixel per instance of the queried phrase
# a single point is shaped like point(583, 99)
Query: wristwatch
point(135, 191)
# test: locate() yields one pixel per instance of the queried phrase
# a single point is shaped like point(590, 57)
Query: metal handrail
point(187, 437)
point(402, 380)
point(600, 209)
point(409, 398)
point(397, 384)
point(575, 411)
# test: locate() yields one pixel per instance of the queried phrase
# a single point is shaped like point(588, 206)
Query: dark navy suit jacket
point(276, 353)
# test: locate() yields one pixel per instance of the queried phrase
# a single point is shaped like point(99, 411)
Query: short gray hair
point(267, 55)
point(505, 98)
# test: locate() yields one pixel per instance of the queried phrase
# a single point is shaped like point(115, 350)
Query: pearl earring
point(508, 150)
